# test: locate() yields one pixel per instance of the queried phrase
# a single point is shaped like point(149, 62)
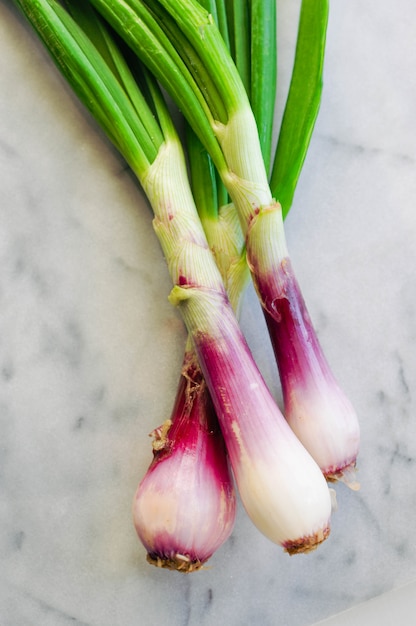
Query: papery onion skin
point(184, 508)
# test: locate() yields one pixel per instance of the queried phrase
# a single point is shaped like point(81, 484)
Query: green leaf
point(139, 25)
point(92, 80)
point(239, 19)
point(302, 103)
point(202, 177)
point(115, 54)
point(263, 71)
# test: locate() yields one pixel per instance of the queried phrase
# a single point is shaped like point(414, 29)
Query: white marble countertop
point(90, 348)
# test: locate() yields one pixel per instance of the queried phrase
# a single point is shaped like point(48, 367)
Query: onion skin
point(184, 508)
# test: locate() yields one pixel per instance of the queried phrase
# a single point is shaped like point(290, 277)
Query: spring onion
point(314, 404)
point(184, 507)
point(280, 484)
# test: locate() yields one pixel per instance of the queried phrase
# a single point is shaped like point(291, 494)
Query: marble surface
point(90, 347)
point(394, 607)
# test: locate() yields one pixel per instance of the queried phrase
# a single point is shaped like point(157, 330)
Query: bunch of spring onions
point(216, 230)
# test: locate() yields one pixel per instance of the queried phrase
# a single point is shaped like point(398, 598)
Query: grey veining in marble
point(90, 348)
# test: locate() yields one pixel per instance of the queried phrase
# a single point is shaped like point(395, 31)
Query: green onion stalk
point(282, 487)
point(180, 43)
